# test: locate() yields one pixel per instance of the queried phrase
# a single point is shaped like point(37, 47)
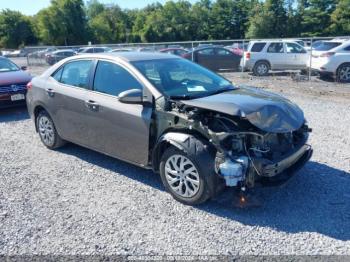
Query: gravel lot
point(76, 201)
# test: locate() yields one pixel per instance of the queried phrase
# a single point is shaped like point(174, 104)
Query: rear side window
point(77, 73)
point(113, 79)
point(325, 46)
point(275, 48)
point(207, 51)
point(258, 47)
point(57, 75)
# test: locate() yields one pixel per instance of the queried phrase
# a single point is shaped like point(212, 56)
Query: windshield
point(182, 79)
point(325, 46)
point(6, 66)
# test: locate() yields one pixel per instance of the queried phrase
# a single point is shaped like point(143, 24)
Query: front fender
point(182, 141)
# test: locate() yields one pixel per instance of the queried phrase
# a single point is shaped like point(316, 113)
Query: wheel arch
point(37, 109)
point(263, 60)
point(182, 140)
point(337, 71)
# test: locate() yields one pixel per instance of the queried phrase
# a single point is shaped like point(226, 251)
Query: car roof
point(64, 50)
point(132, 56)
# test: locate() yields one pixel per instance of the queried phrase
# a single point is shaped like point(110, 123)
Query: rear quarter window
point(257, 47)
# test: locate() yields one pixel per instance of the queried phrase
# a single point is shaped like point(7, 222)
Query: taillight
point(328, 54)
point(247, 55)
point(29, 85)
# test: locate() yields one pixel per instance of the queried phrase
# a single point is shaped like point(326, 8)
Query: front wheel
point(189, 177)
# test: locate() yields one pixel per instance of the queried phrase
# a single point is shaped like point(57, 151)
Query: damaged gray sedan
point(195, 128)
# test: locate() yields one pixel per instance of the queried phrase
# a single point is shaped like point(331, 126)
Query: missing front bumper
point(283, 176)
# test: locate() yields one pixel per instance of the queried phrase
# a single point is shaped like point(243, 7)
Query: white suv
point(334, 61)
point(263, 56)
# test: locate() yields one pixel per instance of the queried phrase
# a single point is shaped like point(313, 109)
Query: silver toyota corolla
point(159, 111)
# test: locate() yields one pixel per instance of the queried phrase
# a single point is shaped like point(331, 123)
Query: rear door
point(66, 94)
point(207, 58)
point(114, 128)
point(276, 56)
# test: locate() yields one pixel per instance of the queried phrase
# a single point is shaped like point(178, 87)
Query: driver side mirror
point(132, 96)
point(24, 68)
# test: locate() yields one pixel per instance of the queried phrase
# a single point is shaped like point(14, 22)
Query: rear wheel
point(261, 68)
point(47, 131)
point(343, 73)
point(189, 176)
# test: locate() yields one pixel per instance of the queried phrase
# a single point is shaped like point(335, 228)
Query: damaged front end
point(249, 151)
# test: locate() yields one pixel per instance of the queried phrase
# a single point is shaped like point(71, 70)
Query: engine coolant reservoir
point(233, 171)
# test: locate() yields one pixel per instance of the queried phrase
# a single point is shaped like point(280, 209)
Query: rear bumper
point(288, 171)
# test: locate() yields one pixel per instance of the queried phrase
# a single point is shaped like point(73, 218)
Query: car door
point(115, 128)
point(296, 55)
point(276, 56)
point(66, 95)
point(226, 59)
point(206, 57)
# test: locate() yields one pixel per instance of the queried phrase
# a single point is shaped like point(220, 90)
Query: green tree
point(317, 17)
point(340, 19)
point(63, 23)
point(229, 19)
point(109, 26)
point(15, 29)
point(268, 20)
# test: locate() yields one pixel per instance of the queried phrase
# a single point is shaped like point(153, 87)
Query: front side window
point(221, 51)
point(275, 48)
point(293, 48)
point(182, 79)
point(76, 73)
point(347, 48)
point(113, 79)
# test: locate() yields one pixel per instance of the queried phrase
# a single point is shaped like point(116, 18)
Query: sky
point(31, 7)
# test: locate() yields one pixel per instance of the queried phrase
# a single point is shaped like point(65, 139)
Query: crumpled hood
point(267, 111)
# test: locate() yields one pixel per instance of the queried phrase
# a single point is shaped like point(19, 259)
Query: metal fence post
point(242, 58)
point(310, 62)
point(192, 53)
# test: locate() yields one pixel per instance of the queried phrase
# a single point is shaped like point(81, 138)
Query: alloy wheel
point(46, 130)
point(262, 69)
point(344, 74)
point(182, 176)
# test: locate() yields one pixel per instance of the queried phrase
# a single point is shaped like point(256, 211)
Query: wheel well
point(37, 110)
point(160, 148)
point(262, 60)
point(346, 63)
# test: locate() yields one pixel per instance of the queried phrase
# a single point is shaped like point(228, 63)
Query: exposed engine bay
point(245, 154)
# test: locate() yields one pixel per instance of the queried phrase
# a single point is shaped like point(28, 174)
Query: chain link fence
point(300, 57)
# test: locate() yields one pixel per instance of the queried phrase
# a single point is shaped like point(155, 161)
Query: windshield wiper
point(181, 97)
point(222, 90)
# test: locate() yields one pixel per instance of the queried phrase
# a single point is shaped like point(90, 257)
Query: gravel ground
point(76, 201)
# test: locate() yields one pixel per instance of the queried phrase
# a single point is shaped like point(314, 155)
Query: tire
point(261, 68)
point(47, 131)
point(201, 184)
point(343, 73)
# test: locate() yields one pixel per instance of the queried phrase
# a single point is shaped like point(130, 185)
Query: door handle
point(50, 92)
point(92, 105)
